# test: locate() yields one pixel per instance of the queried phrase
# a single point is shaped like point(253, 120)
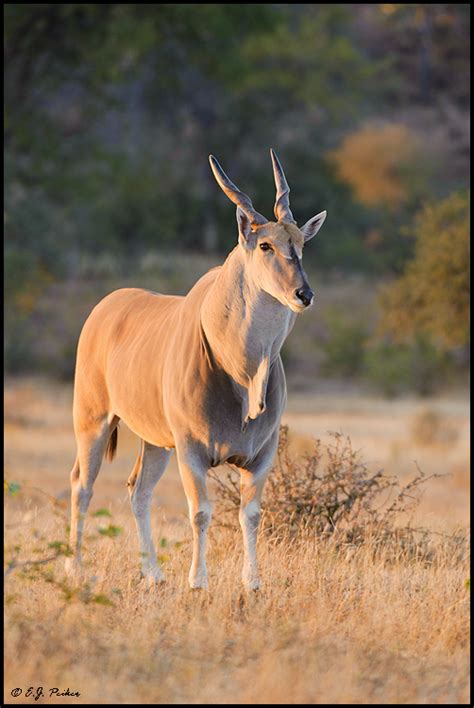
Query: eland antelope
point(201, 374)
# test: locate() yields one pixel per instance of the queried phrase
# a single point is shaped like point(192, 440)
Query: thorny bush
point(331, 492)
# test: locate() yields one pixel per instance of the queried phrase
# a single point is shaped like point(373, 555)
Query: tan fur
point(201, 374)
point(289, 231)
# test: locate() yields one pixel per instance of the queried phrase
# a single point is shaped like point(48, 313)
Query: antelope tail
point(111, 448)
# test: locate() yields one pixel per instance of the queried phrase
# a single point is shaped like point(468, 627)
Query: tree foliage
point(316, 46)
point(432, 295)
point(111, 111)
point(377, 161)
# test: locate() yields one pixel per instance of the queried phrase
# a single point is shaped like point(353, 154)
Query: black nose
point(305, 295)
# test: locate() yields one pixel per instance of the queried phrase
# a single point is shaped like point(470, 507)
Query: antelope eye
point(266, 247)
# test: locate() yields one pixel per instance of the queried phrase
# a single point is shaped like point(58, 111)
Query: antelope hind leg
point(193, 472)
point(91, 446)
point(149, 468)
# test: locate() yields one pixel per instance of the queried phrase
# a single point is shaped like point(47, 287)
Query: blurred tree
point(344, 344)
point(431, 298)
point(381, 163)
point(429, 49)
point(388, 170)
point(312, 58)
point(111, 111)
point(406, 368)
point(73, 140)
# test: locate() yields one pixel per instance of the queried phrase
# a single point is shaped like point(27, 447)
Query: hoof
point(198, 589)
point(198, 584)
point(73, 568)
point(251, 585)
point(153, 580)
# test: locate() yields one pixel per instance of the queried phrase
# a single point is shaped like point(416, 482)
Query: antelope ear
point(247, 237)
point(312, 226)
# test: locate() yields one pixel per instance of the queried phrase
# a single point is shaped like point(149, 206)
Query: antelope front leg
point(193, 475)
point(251, 487)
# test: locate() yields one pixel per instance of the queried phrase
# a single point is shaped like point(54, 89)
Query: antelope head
point(274, 250)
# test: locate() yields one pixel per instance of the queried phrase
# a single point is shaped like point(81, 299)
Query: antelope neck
point(244, 325)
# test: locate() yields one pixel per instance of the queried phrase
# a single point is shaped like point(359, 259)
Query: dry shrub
point(330, 492)
point(430, 428)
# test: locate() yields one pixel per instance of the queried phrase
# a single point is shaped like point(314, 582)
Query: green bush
point(344, 346)
point(398, 368)
point(431, 297)
point(18, 349)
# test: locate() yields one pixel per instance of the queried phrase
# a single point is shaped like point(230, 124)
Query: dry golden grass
point(328, 626)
